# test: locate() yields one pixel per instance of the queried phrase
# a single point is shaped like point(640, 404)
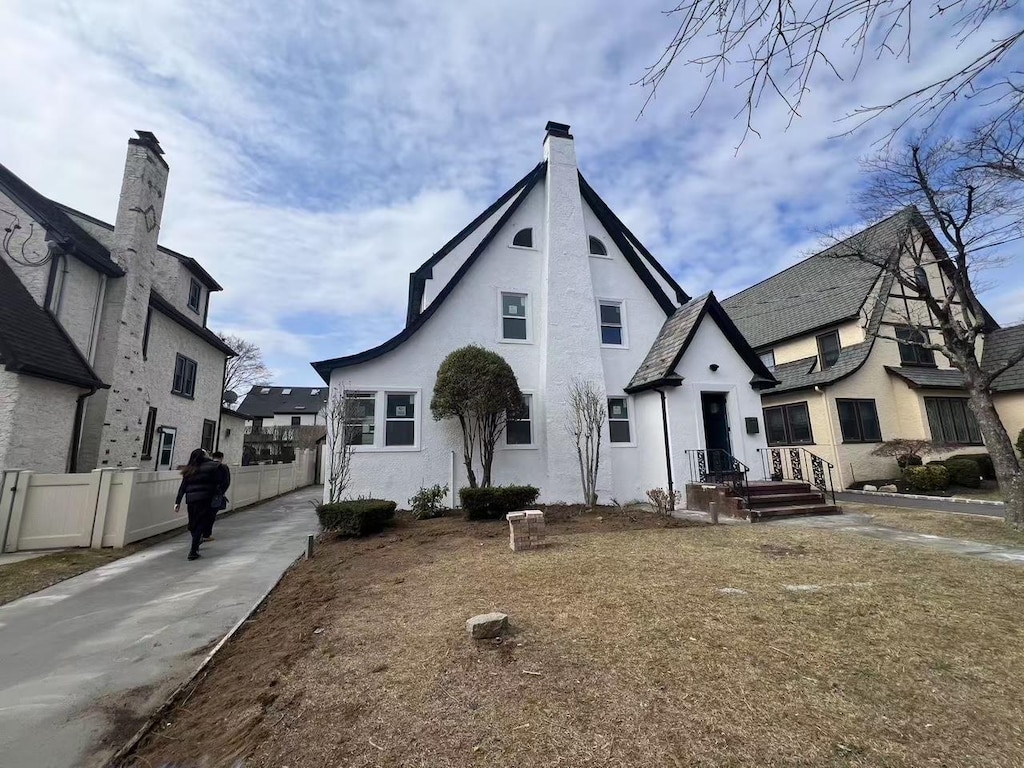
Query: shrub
point(909, 460)
point(906, 451)
point(429, 502)
point(985, 466)
point(495, 502)
point(929, 478)
point(964, 472)
point(662, 502)
point(356, 518)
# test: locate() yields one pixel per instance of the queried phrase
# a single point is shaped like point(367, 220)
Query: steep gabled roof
point(188, 262)
point(264, 402)
point(658, 367)
point(822, 290)
point(525, 186)
point(1002, 345)
point(158, 302)
point(72, 237)
point(33, 343)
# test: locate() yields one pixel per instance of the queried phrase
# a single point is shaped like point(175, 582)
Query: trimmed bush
point(429, 502)
point(985, 466)
point(495, 502)
point(964, 472)
point(356, 518)
point(929, 478)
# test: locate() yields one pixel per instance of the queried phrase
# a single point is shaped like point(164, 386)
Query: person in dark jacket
point(200, 485)
point(225, 483)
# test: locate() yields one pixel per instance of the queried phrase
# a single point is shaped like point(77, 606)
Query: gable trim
point(325, 367)
point(162, 305)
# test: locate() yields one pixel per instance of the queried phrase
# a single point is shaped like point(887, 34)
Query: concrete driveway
point(84, 662)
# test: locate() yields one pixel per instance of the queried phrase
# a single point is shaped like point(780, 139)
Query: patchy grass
point(989, 530)
point(623, 652)
point(27, 576)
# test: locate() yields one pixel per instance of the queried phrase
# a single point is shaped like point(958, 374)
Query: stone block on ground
point(889, 489)
point(869, 488)
point(487, 625)
point(525, 529)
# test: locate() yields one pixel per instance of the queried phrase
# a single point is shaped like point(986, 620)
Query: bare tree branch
point(247, 369)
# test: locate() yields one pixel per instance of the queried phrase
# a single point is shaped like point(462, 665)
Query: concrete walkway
point(88, 659)
point(936, 504)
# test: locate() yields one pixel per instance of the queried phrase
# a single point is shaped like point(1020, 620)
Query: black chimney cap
point(149, 139)
point(561, 130)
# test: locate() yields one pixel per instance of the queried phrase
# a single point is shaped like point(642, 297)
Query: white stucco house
point(105, 356)
point(551, 279)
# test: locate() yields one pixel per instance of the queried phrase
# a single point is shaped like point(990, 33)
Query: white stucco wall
point(285, 420)
point(33, 278)
point(36, 423)
point(232, 435)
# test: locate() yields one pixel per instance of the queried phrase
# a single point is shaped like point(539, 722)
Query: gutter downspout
point(668, 452)
point(76, 432)
point(223, 384)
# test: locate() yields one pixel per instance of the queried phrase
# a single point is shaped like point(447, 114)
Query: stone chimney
point(570, 340)
point(141, 206)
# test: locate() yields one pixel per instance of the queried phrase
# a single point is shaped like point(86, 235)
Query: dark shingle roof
point(658, 367)
point(1002, 345)
point(264, 402)
point(158, 302)
point(822, 290)
point(928, 378)
point(68, 233)
point(32, 342)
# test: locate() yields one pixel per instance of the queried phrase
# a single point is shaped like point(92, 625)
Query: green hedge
point(356, 518)
point(985, 466)
point(495, 502)
point(964, 472)
point(928, 478)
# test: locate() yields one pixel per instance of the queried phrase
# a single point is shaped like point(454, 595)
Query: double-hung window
point(519, 426)
point(618, 420)
point(361, 417)
point(514, 319)
point(184, 383)
point(400, 420)
point(195, 294)
point(149, 434)
point(209, 432)
point(911, 353)
point(788, 425)
point(858, 421)
point(829, 349)
point(952, 421)
point(613, 327)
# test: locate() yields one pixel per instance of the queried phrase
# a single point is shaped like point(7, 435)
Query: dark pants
point(208, 526)
point(199, 517)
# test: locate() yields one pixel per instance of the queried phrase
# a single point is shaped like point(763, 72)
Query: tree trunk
point(467, 452)
point(1000, 449)
point(486, 457)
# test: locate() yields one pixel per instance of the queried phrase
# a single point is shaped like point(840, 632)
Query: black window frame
point(921, 281)
point(787, 424)
point(934, 415)
point(821, 352)
point(195, 289)
point(912, 353)
point(206, 442)
point(859, 405)
point(148, 434)
point(526, 234)
point(296, 421)
point(182, 378)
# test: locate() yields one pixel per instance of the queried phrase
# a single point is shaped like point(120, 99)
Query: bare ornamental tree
point(585, 423)
point(971, 215)
point(343, 430)
point(247, 369)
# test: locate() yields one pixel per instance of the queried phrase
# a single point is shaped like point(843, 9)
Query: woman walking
point(200, 487)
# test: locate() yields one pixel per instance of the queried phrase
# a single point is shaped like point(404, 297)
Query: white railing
point(112, 507)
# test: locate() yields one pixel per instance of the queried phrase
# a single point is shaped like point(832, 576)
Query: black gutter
point(668, 452)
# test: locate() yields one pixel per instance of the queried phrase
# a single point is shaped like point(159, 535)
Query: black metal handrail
point(802, 465)
point(716, 465)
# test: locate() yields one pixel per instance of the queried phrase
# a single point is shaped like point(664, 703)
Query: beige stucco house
point(105, 356)
point(837, 332)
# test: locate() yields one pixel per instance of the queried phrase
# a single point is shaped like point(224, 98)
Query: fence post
point(19, 491)
point(101, 480)
point(8, 490)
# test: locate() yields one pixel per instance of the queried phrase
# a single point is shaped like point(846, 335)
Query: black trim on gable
point(418, 279)
point(324, 367)
point(159, 303)
point(629, 244)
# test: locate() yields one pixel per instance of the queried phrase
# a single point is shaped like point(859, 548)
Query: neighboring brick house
point(279, 420)
point(844, 388)
point(106, 357)
point(551, 279)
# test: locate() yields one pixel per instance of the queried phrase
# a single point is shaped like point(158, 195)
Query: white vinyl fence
point(112, 507)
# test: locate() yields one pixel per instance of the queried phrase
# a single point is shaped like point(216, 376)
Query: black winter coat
point(202, 485)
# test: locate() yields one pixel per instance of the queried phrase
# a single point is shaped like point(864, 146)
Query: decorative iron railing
point(715, 465)
point(797, 463)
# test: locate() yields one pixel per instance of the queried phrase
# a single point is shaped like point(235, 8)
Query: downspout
point(668, 452)
point(223, 384)
point(94, 336)
point(76, 431)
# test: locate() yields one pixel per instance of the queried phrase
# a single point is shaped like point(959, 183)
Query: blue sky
point(319, 154)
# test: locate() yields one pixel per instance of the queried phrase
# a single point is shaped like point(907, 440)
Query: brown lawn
point(27, 576)
point(624, 653)
point(989, 530)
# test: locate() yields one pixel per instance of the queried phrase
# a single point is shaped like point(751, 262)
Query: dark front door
point(716, 431)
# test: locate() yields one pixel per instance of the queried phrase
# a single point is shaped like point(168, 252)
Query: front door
point(716, 431)
point(165, 448)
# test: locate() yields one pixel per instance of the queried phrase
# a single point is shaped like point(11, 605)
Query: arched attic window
point(597, 247)
point(523, 238)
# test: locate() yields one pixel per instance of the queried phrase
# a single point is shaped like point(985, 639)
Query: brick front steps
point(768, 500)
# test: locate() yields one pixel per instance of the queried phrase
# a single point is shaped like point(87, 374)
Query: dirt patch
point(623, 653)
point(123, 714)
point(28, 576)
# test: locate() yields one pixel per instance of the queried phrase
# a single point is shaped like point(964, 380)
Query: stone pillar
point(526, 530)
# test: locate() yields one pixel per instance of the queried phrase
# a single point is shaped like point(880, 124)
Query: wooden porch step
point(786, 499)
point(764, 513)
